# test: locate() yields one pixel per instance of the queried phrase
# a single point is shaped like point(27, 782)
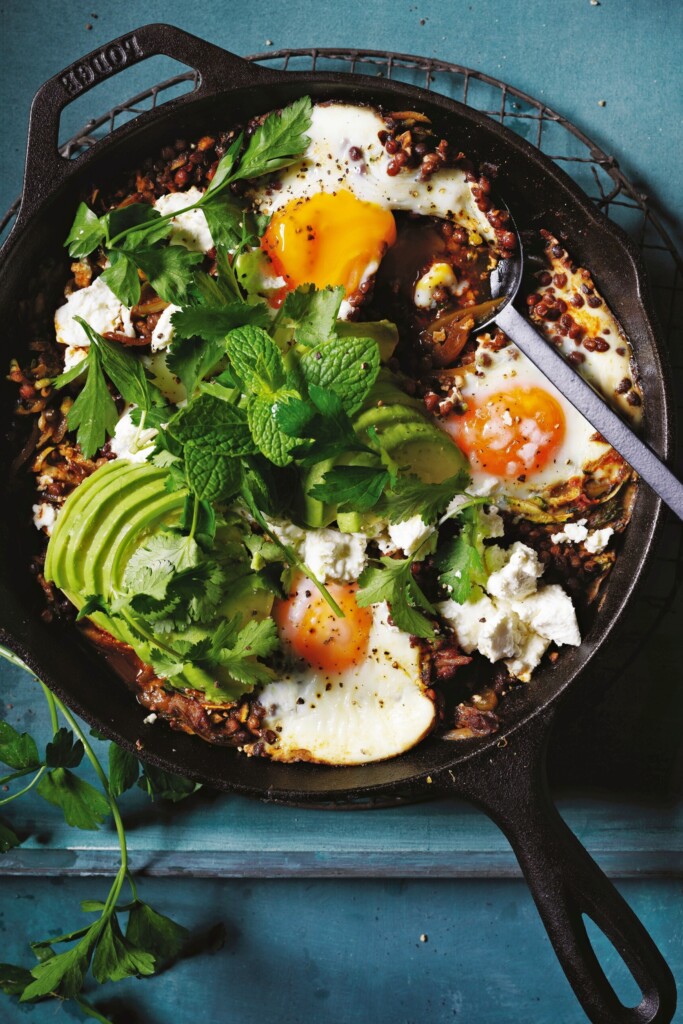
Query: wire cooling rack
point(596, 172)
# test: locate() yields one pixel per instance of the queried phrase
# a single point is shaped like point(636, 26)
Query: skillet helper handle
point(217, 69)
point(565, 882)
point(581, 395)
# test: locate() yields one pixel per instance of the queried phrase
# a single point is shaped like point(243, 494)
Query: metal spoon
point(505, 282)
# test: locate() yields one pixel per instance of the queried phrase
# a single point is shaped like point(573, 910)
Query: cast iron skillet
point(504, 774)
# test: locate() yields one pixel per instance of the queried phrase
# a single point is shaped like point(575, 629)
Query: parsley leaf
point(64, 751)
point(153, 565)
point(395, 584)
point(158, 783)
point(213, 323)
point(153, 932)
point(122, 277)
point(87, 232)
point(125, 371)
point(352, 488)
point(237, 649)
point(8, 841)
point(409, 496)
point(311, 313)
point(64, 972)
point(347, 366)
point(124, 769)
point(18, 750)
point(83, 806)
point(93, 414)
point(168, 270)
point(116, 957)
point(277, 142)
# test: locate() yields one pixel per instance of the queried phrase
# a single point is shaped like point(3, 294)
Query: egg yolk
point(313, 631)
point(328, 239)
point(510, 434)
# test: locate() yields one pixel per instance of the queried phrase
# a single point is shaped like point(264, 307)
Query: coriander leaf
point(64, 751)
point(216, 292)
point(225, 168)
point(191, 359)
point(63, 973)
point(13, 980)
point(83, 806)
point(92, 603)
point(117, 958)
point(122, 277)
point(265, 429)
point(214, 423)
point(212, 475)
point(17, 750)
point(460, 560)
point(158, 783)
point(237, 651)
point(87, 232)
point(124, 769)
point(410, 496)
point(94, 412)
point(152, 566)
point(126, 372)
point(257, 359)
point(8, 838)
point(395, 584)
point(351, 488)
point(311, 313)
point(214, 323)
point(347, 366)
point(154, 932)
point(277, 142)
point(168, 270)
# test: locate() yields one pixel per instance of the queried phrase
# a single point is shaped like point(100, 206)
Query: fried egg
point(524, 440)
point(331, 213)
point(352, 691)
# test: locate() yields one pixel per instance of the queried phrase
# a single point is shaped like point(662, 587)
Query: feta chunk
point(550, 613)
point(528, 656)
point(44, 517)
point(480, 625)
point(598, 540)
point(517, 578)
point(571, 533)
point(410, 534)
point(73, 356)
point(163, 333)
point(99, 307)
point(189, 229)
point(129, 442)
point(328, 553)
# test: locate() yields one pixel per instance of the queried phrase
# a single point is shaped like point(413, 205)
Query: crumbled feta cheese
point(162, 335)
point(150, 720)
point(492, 523)
point(439, 275)
point(44, 517)
point(528, 656)
point(99, 307)
point(329, 554)
point(571, 533)
point(189, 229)
point(129, 442)
point(410, 534)
point(550, 613)
point(480, 625)
point(73, 356)
point(517, 578)
point(598, 540)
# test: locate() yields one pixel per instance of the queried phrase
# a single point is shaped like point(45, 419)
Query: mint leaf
point(83, 806)
point(257, 359)
point(212, 475)
point(311, 313)
point(212, 422)
point(18, 750)
point(94, 412)
point(168, 270)
point(116, 957)
point(395, 584)
point(124, 769)
point(64, 751)
point(265, 429)
point(214, 323)
point(87, 232)
point(347, 366)
point(8, 841)
point(351, 488)
point(277, 142)
point(155, 933)
point(122, 277)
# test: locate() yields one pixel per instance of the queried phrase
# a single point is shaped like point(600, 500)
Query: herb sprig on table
point(127, 937)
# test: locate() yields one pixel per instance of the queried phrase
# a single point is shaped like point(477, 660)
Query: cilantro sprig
point(126, 938)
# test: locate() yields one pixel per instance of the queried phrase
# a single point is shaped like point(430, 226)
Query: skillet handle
point(217, 69)
point(565, 882)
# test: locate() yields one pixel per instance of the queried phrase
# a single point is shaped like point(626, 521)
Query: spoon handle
point(582, 396)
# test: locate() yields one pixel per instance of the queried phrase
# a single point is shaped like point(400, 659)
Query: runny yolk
point(313, 631)
point(328, 239)
point(511, 433)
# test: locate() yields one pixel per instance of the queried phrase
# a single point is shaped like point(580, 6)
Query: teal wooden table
point(414, 912)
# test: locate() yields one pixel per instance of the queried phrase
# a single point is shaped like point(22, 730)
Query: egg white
point(369, 712)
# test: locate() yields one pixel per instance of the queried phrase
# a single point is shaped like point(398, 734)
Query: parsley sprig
point(106, 948)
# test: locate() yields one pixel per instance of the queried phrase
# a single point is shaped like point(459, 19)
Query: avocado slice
point(424, 450)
